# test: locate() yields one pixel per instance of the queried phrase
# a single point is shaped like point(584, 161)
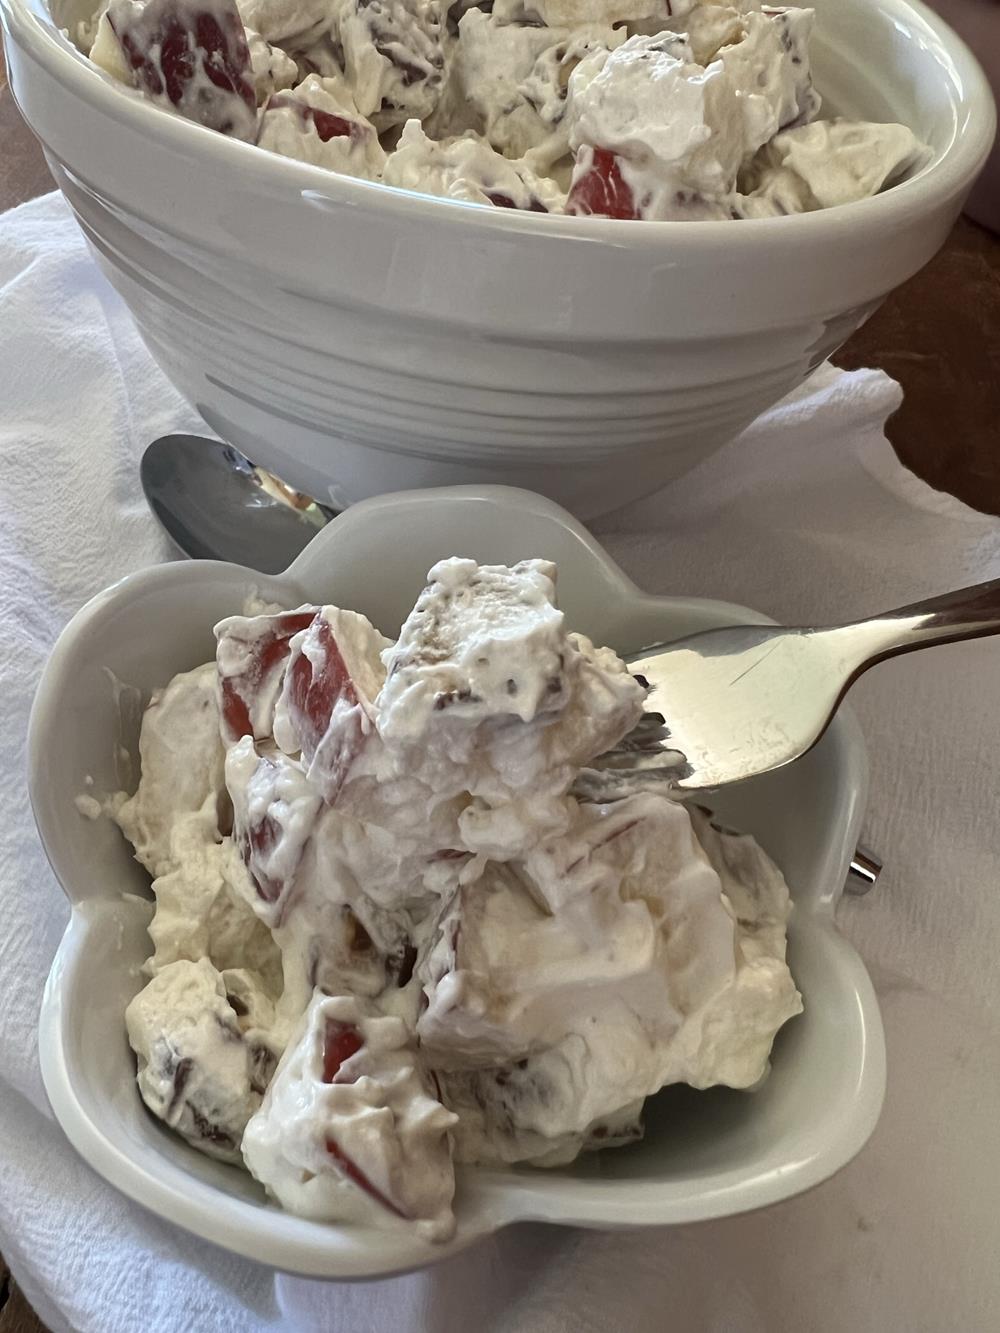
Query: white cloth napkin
point(809, 517)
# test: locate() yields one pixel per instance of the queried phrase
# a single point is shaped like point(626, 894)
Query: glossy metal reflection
point(216, 505)
point(732, 703)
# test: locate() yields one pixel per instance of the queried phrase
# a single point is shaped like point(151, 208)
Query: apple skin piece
point(340, 1042)
point(250, 658)
point(354, 1173)
point(274, 814)
point(192, 55)
point(326, 711)
point(326, 124)
point(350, 1129)
point(500, 200)
point(318, 122)
point(600, 190)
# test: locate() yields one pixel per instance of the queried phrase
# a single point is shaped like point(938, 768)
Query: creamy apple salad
point(390, 936)
point(656, 109)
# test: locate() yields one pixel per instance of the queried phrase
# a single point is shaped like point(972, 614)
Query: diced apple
point(326, 124)
point(251, 656)
point(354, 1173)
point(192, 54)
point(326, 711)
point(318, 122)
point(600, 189)
point(340, 1042)
point(274, 813)
point(348, 1129)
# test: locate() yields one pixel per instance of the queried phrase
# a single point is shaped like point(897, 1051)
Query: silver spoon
point(731, 703)
point(214, 504)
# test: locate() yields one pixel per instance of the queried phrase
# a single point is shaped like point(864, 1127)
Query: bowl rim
point(330, 1251)
point(29, 23)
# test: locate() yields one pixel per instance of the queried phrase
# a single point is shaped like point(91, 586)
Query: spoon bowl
point(214, 504)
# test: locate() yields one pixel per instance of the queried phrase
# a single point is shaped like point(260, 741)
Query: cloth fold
point(807, 516)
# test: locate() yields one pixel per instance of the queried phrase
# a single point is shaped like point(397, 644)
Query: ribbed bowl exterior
point(356, 340)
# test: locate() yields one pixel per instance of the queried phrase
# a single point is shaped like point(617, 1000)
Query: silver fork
point(730, 703)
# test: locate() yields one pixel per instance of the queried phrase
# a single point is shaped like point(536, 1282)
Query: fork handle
point(967, 613)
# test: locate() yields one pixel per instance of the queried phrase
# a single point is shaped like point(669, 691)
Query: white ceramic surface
point(705, 1154)
point(357, 339)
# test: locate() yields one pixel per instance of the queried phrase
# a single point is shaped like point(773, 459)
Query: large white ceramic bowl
point(705, 1154)
point(357, 339)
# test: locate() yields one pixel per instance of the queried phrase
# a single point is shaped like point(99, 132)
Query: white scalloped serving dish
point(705, 1154)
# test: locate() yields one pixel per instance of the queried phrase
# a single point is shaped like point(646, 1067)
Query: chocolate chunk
point(262, 1065)
point(182, 1072)
point(358, 939)
point(401, 964)
point(209, 1132)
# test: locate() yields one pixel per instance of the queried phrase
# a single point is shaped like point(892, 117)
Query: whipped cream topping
point(487, 693)
point(348, 1130)
point(394, 56)
point(181, 758)
point(317, 122)
point(748, 78)
point(508, 81)
point(826, 163)
point(199, 1071)
point(611, 954)
point(653, 109)
point(467, 168)
point(369, 861)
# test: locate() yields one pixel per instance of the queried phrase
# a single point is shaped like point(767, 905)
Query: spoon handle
point(967, 613)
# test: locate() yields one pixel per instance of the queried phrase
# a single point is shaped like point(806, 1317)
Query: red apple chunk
point(265, 641)
point(313, 694)
point(274, 812)
point(602, 190)
point(326, 124)
point(193, 54)
point(257, 842)
point(340, 1042)
point(326, 709)
point(354, 1173)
